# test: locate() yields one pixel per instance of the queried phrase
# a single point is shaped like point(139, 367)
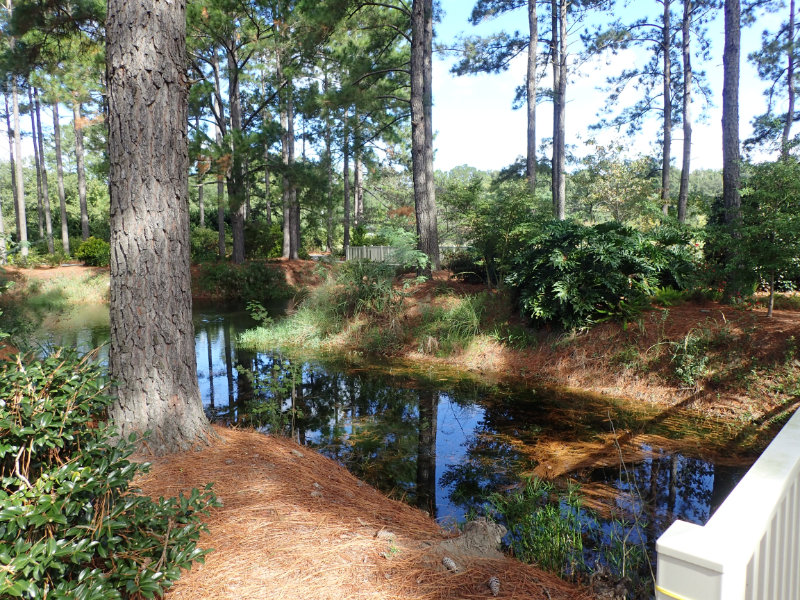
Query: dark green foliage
point(362, 237)
point(204, 243)
point(466, 264)
point(262, 240)
point(255, 281)
point(94, 252)
point(576, 275)
point(70, 524)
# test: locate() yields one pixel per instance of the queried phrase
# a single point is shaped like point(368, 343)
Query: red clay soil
point(294, 524)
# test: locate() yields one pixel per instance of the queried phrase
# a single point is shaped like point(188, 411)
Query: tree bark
point(730, 113)
point(152, 358)
point(730, 137)
point(236, 187)
point(286, 200)
point(77, 123)
point(62, 198)
point(346, 177)
point(787, 126)
point(13, 164)
point(533, 27)
point(37, 162)
point(683, 192)
point(219, 132)
point(48, 217)
point(422, 131)
point(200, 205)
point(20, 182)
point(666, 150)
point(294, 206)
point(560, 113)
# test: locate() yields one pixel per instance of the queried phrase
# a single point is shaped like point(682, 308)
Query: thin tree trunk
point(13, 164)
point(48, 217)
point(730, 137)
point(219, 129)
point(77, 122)
point(560, 171)
point(20, 182)
point(358, 187)
point(152, 358)
point(555, 49)
point(329, 167)
point(667, 92)
point(236, 187)
point(771, 304)
point(346, 177)
point(683, 192)
point(533, 26)
point(62, 198)
point(787, 126)
point(37, 161)
point(294, 206)
point(200, 205)
point(267, 198)
point(286, 200)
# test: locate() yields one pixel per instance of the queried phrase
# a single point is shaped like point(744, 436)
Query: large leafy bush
point(576, 275)
point(94, 252)
point(70, 524)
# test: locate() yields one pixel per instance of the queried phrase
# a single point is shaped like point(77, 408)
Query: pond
point(446, 441)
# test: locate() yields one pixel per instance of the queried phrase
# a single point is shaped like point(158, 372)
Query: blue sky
point(475, 124)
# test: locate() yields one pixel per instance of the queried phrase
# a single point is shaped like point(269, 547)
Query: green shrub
point(466, 264)
point(204, 244)
point(252, 281)
point(94, 252)
point(576, 275)
point(262, 240)
point(690, 357)
point(365, 287)
point(70, 524)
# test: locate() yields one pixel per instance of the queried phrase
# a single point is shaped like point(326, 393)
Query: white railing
point(750, 548)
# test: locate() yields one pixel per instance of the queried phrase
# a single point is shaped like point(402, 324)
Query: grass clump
point(451, 328)
point(71, 525)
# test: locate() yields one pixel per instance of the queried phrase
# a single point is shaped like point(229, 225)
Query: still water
point(446, 442)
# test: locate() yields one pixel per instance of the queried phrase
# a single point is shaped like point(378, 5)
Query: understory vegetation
point(71, 524)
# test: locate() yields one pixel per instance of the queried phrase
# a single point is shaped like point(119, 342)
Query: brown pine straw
point(274, 539)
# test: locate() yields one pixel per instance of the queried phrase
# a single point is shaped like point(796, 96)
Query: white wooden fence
point(383, 253)
point(750, 548)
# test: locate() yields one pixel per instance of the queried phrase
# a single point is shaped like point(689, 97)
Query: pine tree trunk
point(62, 198)
point(422, 131)
point(730, 137)
point(286, 200)
point(683, 192)
point(37, 161)
point(267, 197)
point(236, 187)
point(358, 189)
point(555, 49)
point(152, 358)
point(200, 204)
point(771, 303)
point(219, 133)
point(346, 177)
point(666, 149)
point(559, 169)
point(13, 164)
point(77, 122)
point(329, 167)
point(48, 217)
point(787, 126)
point(533, 27)
point(294, 206)
point(20, 182)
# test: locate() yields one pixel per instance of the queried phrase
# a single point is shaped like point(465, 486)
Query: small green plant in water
point(544, 528)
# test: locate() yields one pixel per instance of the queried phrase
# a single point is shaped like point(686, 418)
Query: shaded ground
point(296, 525)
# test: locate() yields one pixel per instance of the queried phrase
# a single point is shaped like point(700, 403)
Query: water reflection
point(442, 445)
